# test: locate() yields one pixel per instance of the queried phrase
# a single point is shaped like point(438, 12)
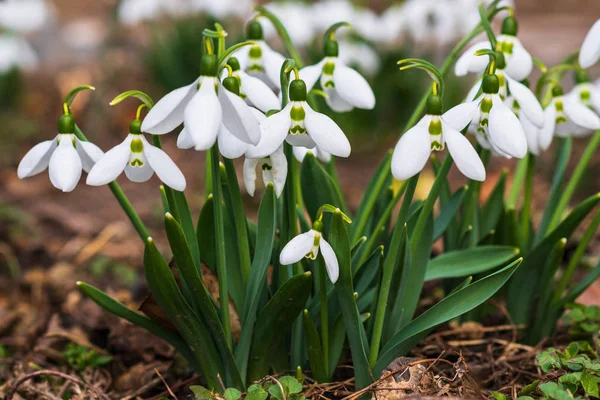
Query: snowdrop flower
point(139, 159)
point(586, 94)
point(204, 107)
point(132, 12)
point(590, 49)
point(15, 52)
point(259, 59)
point(345, 87)
point(430, 21)
point(24, 15)
point(64, 156)
point(307, 245)
point(301, 152)
point(300, 125)
point(519, 62)
point(297, 17)
point(563, 116)
point(253, 90)
point(434, 133)
point(494, 124)
point(360, 54)
point(223, 8)
point(274, 170)
point(533, 133)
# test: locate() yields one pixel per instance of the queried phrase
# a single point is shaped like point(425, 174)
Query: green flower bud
point(318, 226)
point(298, 90)
point(232, 84)
point(254, 31)
point(510, 26)
point(490, 84)
point(434, 105)
point(135, 127)
point(330, 48)
point(66, 124)
point(234, 64)
point(208, 65)
point(500, 60)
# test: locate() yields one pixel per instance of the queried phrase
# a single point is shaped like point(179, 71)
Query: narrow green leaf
point(579, 288)
point(178, 207)
point(204, 236)
point(494, 206)
point(317, 187)
point(337, 339)
point(448, 213)
point(471, 261)
point(315, 350)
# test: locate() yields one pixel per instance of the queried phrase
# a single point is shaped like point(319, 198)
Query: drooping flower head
point(274, 170)
point(252, 89)
point(590, 48)
point(587, 94)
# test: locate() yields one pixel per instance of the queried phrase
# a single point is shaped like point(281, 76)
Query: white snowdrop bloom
point(467, 12)
point(301, 152)
point(203, 107)
point(253, 90)
point(345, 87)
point(368, 25)
point(307, 245)
point(132, 12)
point(274, 170)
point(564, 115)
point(259, 59)
point(139, 159)
point(590, 49)
point(433, 133)
point(15, 52)
point(326, 13)
point(431, 22)
point(360, 54)
point(519, 62)
point(64, 156)
point(24, 15)
point(494, 124)
point(533, 133)
point(300, 125)
point(297, 17)
point(586, 94)
point(393, 21)
point(223, 8)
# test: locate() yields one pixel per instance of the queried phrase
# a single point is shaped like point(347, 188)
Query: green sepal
point(66, 124)
point(510, 26)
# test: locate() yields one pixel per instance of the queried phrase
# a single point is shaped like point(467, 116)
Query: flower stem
point(122, 199)
point(517, 183)
point(283, 35)
point(526, 210)
point(220, 242)
point(324, 315)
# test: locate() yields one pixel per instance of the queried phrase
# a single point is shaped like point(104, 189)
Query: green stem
point(122, 199)
point(324, 316)
point(526, 211)
point(283, 35)
point(220, 242)
point(574, 181)
point(241, 227)
point(517, 183)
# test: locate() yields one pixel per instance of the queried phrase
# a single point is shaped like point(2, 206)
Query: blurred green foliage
point(80, 358)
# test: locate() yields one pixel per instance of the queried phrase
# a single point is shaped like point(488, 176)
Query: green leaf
point(337, 339)
point(471, 261)
point(498, 396)
point(256, 392)
point(291, 384)
point(318, 187)
point(314, 349)
point(450, 307)
point(205, 236)
point(579, 288)
point(277, 316)
point(340, 243)
point(548, 360)
point(202, 393)
point(178, 207)
point(494, 206)
point(163, 286)
point(448, 213)
point(528, 389)
point(232, 394)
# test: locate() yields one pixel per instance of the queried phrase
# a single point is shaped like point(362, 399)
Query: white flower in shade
point(16, 53)
point(586, 94)
point(433, 133)
point(259, 59)
point(307, 245)
point(565, 116)
point(274, 170)
point(64, 156)
point(253, 90)
point(300, 125)
point(533, 133)
point(132, 12)
point(139, 159)
point(296, 16)
point(430, 21)
point(24, 15)
point(467, 12)
point(519, 62)
point(590, 49)
point(494, 124)
point(345, 87)
point(301, 152)
point(204, 106)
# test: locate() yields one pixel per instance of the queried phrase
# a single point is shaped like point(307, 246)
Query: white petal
point(352, 87)
point(238, 118)
point(547, 132)
point(168, 113)
point(461, 115)
point(272, 62)
point(274, 129)
point(472, 95)
point(323, 155)
point(506, 131)
point(303, 140)
point(165, 168)
point(411, 153)
point(469, 62)
point(336, 102)
point(111, 165)
point(300, 152)
point(65, 165)
point(532, 134)
point(520, 65)
point(326, 133)
point(590, 49)
point(527, 101)
point(310, 75)
point(89, 154)
point(203, 116)
point(297, 248)
point(36, 160)
point(139, 174)
point(250, 175)
point(259, 93)
point(229, 145)
point(581, 115)
point(464, 155)
point(595, 100)
point(279, 171)
point(184, 140)
point(331, 262)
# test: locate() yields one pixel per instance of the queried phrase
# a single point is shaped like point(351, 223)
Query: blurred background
point(47, 47)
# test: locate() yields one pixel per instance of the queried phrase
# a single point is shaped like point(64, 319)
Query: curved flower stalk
point(345, 88)
point(139, 159)
point(495, 126)
point(259, 59)
point(204, 106)
point(519, 62)
point(300, 125)
point(590, 48)
point(433, 133)
point(253, 90)
point(301, 152)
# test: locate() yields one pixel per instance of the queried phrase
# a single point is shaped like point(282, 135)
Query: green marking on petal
point(585, 96)
point(435, 127)
point(266, 167)
point(561, 120)
point(486, 105)
point(136, 163)
point(297, 113)
point(507, 47)
point(297, 129)
point(136, 146)
point(328, 68)
point(435, 145)
point(559, 106)
point(255, 52)
point(484, 122)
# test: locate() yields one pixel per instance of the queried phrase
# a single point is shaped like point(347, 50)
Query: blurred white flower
point(223, 8)
point(15, 52)
point(132, 12)
point(24, 15)
point(297, 19)
point(431, 21)
point(590, 49)
point(467, 12)
point(360, 54)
